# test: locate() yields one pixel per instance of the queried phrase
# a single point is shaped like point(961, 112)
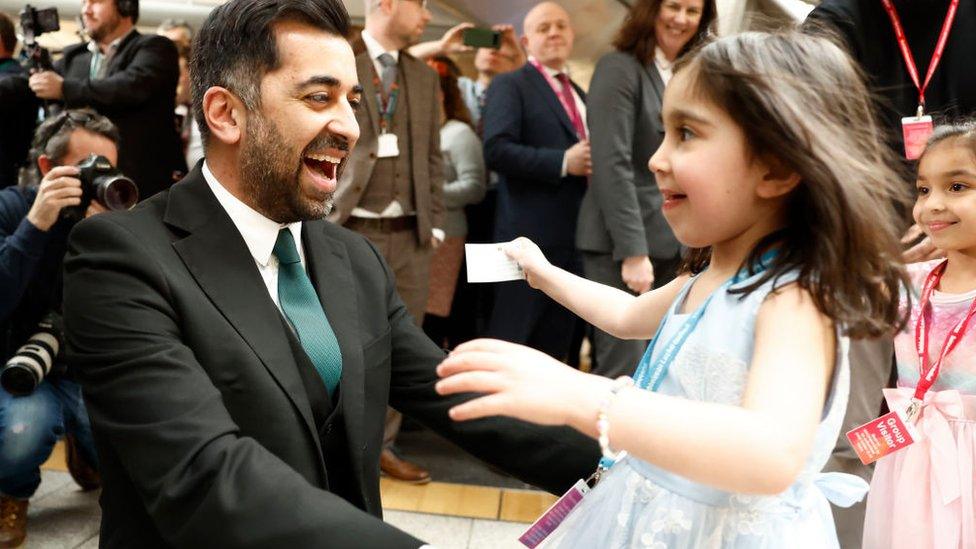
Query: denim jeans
point(31, 425)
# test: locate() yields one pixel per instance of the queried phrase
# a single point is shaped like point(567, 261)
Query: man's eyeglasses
point(423, 3)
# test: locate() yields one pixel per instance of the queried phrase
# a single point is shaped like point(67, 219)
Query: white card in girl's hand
point(489, 263)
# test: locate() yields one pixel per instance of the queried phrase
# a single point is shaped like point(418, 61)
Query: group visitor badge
point(917, 129)
point(895, 430)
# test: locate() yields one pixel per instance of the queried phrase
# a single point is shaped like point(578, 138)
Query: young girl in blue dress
point(773, 172)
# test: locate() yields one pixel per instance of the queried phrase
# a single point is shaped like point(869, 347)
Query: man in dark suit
point(392, 192)
point(130, 78)
point(18, 107)
point(236, 351)
point(535, 139)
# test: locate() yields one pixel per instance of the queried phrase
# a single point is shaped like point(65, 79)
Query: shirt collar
point(661, 60)
point(259, 232)
point(551, 71)
point(114, 45)
point(375, 49)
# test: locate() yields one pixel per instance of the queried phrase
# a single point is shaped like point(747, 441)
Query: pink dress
point(921, 497)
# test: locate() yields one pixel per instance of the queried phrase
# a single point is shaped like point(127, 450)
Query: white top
point(259, 232)
point(664, 67)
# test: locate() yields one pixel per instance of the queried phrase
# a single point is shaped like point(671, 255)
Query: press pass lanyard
point(386, 107)
point(650, 373)
point(930, 372)
point(906, 53)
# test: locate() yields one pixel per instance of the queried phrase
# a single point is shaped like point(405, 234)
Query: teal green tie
point(301, 305)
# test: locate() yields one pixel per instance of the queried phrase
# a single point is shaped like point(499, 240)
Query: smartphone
point(482, 38)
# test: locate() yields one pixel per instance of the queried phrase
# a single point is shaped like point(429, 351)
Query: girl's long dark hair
point(800, 100)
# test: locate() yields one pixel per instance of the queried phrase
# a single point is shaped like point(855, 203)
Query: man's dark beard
point(270, 179)
point(107, 28)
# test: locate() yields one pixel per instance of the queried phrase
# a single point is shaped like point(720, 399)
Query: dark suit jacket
point(204, 429)
point(526, 133)
point(621, 212)
point(865, 29)
point(424, 121)
point(18, 116)
point(138, 94)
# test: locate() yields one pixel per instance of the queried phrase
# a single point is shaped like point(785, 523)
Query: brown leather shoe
point(84, 474)
point(402, 470)
point(13, 521)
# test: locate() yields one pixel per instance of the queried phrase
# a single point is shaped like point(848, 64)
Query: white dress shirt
point(664, 67)
point(259, 232)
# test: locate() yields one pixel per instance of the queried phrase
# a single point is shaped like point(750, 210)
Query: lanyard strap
point(930, 372)
point(906, 53)
point(571, 111)
point(386, 107)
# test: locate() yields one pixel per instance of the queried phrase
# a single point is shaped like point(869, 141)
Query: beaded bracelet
point(603, 421)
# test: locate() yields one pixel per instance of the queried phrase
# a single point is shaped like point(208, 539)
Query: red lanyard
point(907, 53)
point(930, 372)
point(386, 106)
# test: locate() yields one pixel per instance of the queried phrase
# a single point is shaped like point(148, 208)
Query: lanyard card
point(387, 146)
point(916, 131)
point(882, 436)
point(554, 515)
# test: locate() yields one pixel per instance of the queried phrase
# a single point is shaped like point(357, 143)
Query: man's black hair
point(236, 47)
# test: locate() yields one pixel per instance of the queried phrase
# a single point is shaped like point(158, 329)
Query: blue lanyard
point(649, 376)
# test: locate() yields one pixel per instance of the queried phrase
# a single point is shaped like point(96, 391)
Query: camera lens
point(19, 379)
point(117, 192)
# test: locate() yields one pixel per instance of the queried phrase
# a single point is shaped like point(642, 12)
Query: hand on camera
point(578, 159)
point(58, 190)
point(47, 85)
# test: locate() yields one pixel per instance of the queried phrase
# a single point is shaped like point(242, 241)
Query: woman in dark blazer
point(622, 234)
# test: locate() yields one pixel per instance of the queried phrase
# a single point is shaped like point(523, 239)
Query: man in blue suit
point(535, 139)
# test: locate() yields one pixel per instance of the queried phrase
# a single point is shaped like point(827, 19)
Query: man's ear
point(778, 179)
point(524, 40)
point(225, 115)
point(44, 163)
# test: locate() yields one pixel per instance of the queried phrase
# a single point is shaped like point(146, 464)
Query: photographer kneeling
point(39, 399)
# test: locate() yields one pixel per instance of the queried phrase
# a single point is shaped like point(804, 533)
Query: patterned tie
point(570, 103)
point(301, 306)
point(389, 72)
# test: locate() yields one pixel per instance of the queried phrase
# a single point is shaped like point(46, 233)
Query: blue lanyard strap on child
point(650, 374)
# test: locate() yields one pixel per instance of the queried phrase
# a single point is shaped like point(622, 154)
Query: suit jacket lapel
point(419, 99)
point(365, 70)
point(113, 63)
point(656, 81)
point(331, 274)
point(545, 90)
point(215, 254)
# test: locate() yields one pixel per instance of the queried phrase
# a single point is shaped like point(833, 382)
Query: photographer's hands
point(47, 85)
point(59, 189)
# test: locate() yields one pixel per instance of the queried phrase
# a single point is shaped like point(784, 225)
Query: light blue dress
point(638, 505)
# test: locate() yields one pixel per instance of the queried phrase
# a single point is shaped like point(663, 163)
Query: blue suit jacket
point(526, 132)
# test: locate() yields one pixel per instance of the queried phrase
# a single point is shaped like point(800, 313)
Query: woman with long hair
point(623, 237)
point(464, 184)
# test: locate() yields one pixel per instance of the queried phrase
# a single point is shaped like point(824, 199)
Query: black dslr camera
point(101, 181)
point(33, 23)
point(35, 359)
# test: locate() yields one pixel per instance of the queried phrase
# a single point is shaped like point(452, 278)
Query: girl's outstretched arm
point(759, 447)
point(614, 311)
